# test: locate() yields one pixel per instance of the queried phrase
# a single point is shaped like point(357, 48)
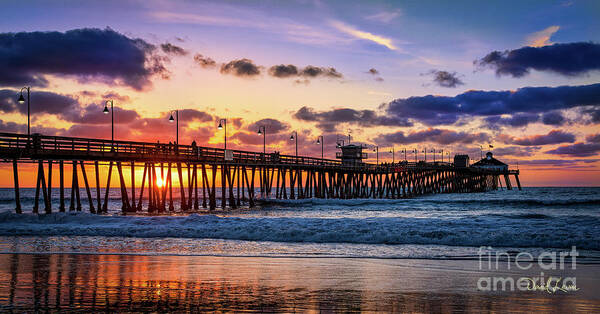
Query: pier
point(243, 177)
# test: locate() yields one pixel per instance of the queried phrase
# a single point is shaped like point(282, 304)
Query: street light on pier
point(404, 151)
point(393, 152)
point(21, 100)
point(376, 150)
point(262, 130)
point(433, 151)
point(294, 137)
point(176, 120)
point(223, 125)
point(321, 142)
point(112, 119)
point(425, 152)
point(416, 151)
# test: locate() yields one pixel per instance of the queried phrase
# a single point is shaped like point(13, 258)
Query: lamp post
point(176, 120)
point(433, 151)
point(404, 150)
point(425, 152)
point(112, 119)
point(448, 154)
point(294, 137)
point(223, 124)
point(322, 142)
point(393, 152)
point(376, 150)
point(416, 153)
point(262, 130)
point(21, 100)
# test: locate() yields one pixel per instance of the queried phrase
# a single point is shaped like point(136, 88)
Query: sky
point(444, 76)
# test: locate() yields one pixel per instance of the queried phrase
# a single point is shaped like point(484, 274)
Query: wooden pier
point(196, 173)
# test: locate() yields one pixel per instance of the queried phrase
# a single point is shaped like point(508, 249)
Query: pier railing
point(21, 146)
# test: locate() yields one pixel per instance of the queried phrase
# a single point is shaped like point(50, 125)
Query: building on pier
point(490, 163)
point(351, 154)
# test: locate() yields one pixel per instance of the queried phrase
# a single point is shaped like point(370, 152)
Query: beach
point(98, 282)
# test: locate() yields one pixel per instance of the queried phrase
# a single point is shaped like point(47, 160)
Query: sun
point(160, 182)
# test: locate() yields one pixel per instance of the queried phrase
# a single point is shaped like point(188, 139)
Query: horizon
point(524, 79)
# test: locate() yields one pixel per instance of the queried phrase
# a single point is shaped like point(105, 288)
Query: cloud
point(593, 138)
point(283, 71)
point(446, 79)
point(205, 62)
point(387, 42)
point(440, 136)
point(310, 71)
point(553, 118)
point(553, 137)
point(328, 120)
point(577, 150)
point(88, 54)
point(41, 102)
point(313, 71)
point(384, 17)
point(241, 67)
point(440, 110)
point(556, 162)
point(272, 125)
point(542, 38)
point(516, 120)
point(572, 59)
point(518, 151)
point(171, 49)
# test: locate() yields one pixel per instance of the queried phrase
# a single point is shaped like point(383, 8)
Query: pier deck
point(238, 174)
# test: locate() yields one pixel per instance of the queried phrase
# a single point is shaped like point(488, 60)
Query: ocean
point(435, 226)
point(427, 254)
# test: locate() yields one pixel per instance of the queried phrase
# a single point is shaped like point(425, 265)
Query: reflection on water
point(167, 283)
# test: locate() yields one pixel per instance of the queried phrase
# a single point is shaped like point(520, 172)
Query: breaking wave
point(527, 230)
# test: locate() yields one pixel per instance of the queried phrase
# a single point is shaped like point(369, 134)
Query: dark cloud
point(87, 54)
point(439, 136)
point(204, 62)
point(555, 162)
point(93, 114)
point(283, 70)
point(553, 118)
point(171, 49)
point(577, 150)
point(439, 110)
point(41, 102)
point(241, 67)
point(272, 125)
point(593, 138)
point(570, 59)
point(188, 115)
point(446, 79)
point(373, 71)
point(516, 120)
point(328, 120)
point(593, 114)
point(553, 137)
point(518, 151)
point(313, 71)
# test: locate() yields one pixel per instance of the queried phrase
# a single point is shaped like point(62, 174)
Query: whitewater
point(437, 225)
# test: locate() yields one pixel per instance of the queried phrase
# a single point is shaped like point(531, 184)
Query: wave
point(443, 201)
point(564, 232)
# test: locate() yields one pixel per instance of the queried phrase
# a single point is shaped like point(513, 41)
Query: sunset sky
point(451, 75)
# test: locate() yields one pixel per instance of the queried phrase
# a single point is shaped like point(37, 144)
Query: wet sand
point(91, 282)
